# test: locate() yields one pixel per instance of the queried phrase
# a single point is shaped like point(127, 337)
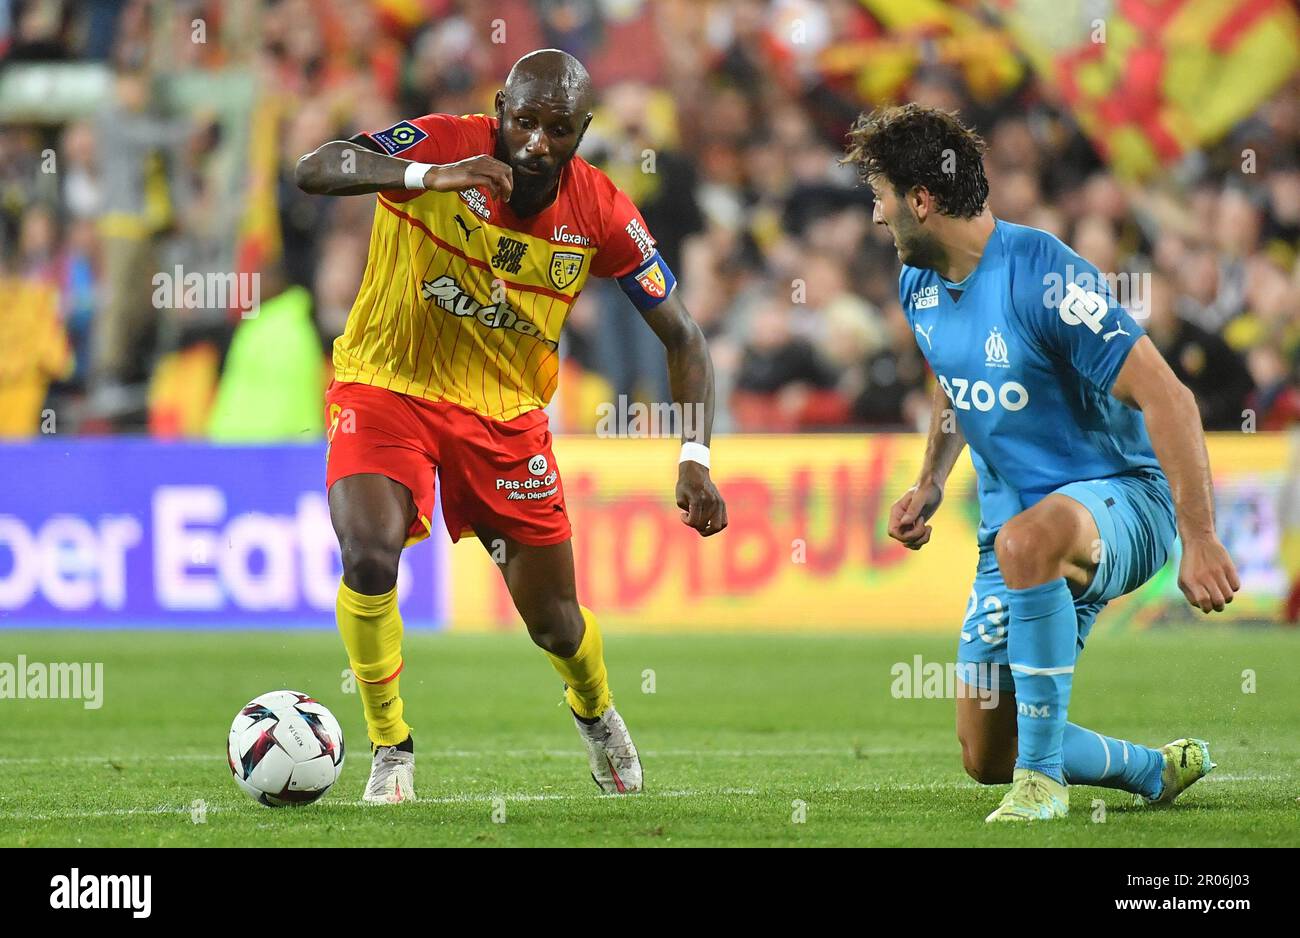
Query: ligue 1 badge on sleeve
point(401, 136)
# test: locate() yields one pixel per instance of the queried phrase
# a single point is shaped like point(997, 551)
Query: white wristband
point(415, 174)
point(694, 452)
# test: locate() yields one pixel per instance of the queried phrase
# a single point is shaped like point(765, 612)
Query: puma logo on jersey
point(465, 229)
point(925, 333)
point(1118, 330)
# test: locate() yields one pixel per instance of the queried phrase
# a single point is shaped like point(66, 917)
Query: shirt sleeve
point(628, 253)
point(433, 138)
point(428, 139)
point(1071, 310)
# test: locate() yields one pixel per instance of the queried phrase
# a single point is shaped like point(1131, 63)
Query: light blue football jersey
point(1027, 355)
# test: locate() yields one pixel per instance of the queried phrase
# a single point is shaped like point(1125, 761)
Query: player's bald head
point(551, 75)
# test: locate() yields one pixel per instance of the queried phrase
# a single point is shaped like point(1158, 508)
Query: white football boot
point(392, 777)
point(615, 766)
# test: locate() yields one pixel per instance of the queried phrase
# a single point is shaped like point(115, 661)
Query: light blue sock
point(1041, 648)
point(1093, 759)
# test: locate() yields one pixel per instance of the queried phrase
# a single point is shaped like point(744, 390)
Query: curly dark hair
point(914, 145)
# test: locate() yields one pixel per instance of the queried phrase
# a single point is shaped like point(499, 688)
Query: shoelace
point(1038, 789)
point(388, 764)
point(600, 734)
point(624, 750)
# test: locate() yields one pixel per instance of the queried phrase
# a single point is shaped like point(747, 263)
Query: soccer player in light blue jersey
point(1088, 451)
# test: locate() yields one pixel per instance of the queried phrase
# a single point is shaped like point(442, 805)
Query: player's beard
point(529, 194)
point(916, 248)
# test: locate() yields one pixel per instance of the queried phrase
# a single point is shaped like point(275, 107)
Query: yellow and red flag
point(1153, 79)
point(903, 35)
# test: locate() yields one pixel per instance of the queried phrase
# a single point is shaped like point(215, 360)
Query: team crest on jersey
point(401, 136)
point(652, 281)
point(564, 269)
point(995, 350)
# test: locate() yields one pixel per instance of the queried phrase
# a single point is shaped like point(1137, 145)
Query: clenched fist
point(908, 516)
point(702, 507)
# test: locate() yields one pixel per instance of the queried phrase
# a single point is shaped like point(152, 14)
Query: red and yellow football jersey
point(462, 300)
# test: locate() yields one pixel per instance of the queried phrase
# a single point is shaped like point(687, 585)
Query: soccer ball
point(285, 749)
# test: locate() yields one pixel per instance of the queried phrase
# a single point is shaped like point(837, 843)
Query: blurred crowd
point(722, 121)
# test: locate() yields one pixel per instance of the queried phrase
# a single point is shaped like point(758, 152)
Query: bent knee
point(988, 774)
point(985, 766)
point(1020, 541)
point(561, 643)
point(368, 566)
point(555, 627)
point(1030, 551)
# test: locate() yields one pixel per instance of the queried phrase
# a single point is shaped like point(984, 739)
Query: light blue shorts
point(1135, 517)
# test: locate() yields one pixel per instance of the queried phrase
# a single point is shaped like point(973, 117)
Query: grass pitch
point(741, 737)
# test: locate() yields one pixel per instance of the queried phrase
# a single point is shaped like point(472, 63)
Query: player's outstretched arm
point(1207, 575)
point(351, 167)
point(690, 375)
point(909, 515)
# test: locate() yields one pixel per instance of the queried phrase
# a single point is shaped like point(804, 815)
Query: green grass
point(739, 728)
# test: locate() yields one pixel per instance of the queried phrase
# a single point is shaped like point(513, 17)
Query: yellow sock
point(371, 627)
point(588, 692)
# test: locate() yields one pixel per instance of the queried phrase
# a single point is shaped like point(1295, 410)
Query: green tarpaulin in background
point(274, 376)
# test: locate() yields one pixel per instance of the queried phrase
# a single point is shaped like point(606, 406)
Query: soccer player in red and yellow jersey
point(485, 231)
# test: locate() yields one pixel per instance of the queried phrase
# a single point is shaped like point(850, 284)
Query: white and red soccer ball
point(285, 749)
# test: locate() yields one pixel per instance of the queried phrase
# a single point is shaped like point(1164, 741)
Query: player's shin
point(584, 673)
point(1041, 652)
point(1093, 759)
point(371, 627)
